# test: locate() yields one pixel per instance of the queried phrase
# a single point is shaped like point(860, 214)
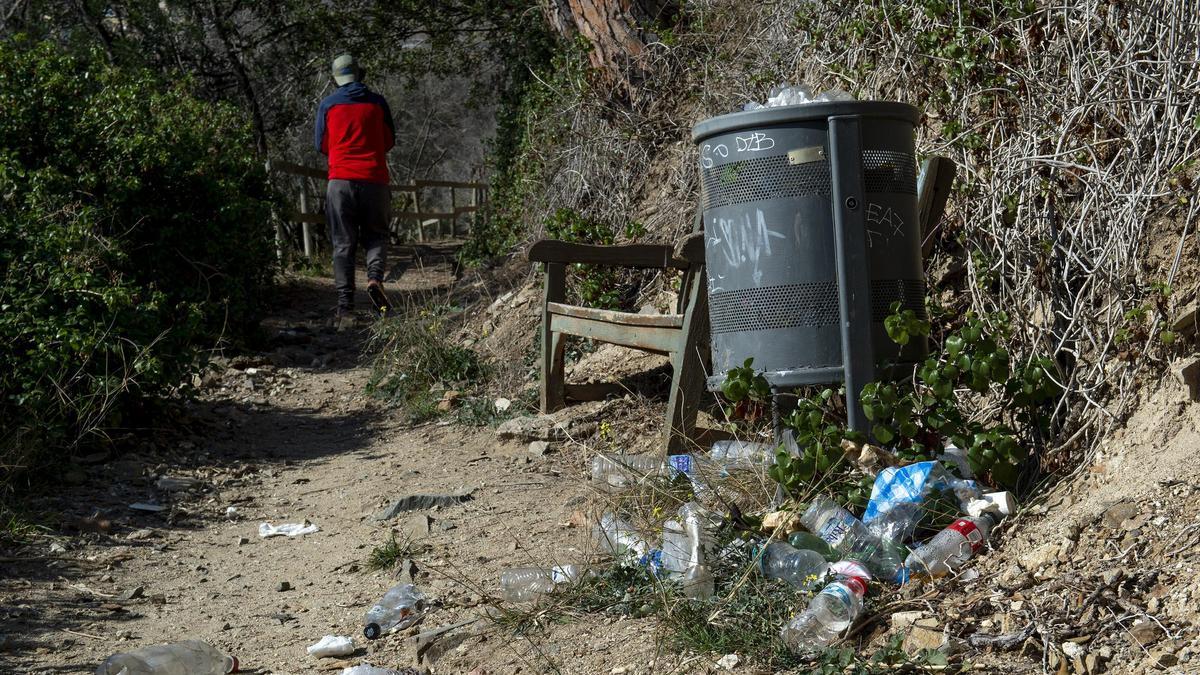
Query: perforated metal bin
point(789, 195)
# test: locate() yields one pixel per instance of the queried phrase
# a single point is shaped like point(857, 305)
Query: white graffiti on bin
point(755, 142)
point(744, 239)
point(709, 151)
point(890, 222)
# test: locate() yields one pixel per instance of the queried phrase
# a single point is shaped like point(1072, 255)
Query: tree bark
point(616, 31)
point(242, 77)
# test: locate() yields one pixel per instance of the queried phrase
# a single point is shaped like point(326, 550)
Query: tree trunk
point(616, 31)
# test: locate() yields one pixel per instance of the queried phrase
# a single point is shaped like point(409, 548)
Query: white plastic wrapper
point(286, 529)
point(787, 94)
point(332, 645)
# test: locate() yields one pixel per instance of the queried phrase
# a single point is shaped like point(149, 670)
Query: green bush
point(134, 233)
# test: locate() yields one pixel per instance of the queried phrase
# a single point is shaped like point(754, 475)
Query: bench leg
point(553, 372)
point(687, 381)
point(553, 366)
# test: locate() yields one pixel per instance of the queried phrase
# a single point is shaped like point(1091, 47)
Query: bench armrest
point(658, 256)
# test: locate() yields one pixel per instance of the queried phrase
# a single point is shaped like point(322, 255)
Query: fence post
point(278, 224)
point(417, 211)
point(304, 224)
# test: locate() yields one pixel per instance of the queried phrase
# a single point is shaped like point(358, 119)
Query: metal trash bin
point(782, 192)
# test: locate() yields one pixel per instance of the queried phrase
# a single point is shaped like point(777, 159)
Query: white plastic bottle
point(846, 535)
point(830, 612)
point(525, 584)
point(799, 567)
point(191, 657)
point(949, 549)
point(621, 471)
point(400, 607)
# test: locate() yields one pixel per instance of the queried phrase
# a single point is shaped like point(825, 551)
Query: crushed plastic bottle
point(951, 548)
point(846, 535)
point(399, 608)
point(799, 567)
point(697, 579)
point(191, 657)
point(621, 471)
point(525, 584)
point(617, 537)
point(811, 542)
point(830, 612)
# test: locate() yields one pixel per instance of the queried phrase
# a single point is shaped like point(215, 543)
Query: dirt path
point(288, 437)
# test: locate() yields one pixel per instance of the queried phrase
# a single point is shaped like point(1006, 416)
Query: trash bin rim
point(768, 117)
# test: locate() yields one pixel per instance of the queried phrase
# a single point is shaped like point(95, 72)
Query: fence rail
point(436, 223)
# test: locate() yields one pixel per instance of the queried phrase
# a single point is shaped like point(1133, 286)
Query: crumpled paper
point(286, 529)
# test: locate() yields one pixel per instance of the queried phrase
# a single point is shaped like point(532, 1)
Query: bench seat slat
point(658, 339)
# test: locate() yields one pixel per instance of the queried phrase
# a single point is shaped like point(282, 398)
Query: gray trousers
point(357, 213)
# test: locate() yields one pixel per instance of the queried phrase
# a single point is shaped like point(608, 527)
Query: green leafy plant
point(134, 236)
point(747, 390)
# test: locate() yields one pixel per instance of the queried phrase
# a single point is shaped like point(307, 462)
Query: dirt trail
point(290, 437)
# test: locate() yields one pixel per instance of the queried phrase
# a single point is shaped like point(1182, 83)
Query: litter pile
point(786, 94)
point(817, 547)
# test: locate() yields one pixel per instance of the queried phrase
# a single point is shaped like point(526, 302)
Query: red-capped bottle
point(951, 548)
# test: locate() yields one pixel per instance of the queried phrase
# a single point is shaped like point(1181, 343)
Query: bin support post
point(853, 274)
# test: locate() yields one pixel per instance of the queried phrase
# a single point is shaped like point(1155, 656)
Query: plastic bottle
point(624, 470)
point(617, 537)
point(525, 584)
point(697, 578)
point(192, 657)
point(799, 567)
point(952, 547)
point(676, 549)
point(830, 612)
point(739, 454)
point(400, 608)
point(847, 536)
point(807, 540)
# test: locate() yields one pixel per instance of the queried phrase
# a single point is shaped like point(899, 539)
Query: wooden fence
point(405, 226)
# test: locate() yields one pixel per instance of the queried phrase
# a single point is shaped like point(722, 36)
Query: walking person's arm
point(319, 130)
point(387, 118)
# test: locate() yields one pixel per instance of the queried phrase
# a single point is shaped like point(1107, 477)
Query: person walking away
point(354, 129)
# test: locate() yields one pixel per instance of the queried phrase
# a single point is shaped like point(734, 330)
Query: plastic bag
point(898, 497)
point(332, 645)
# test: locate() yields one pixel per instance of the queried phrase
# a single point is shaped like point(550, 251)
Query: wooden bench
point(683, 335)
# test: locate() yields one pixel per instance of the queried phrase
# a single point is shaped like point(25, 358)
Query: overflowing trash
point(331, 645)
point(787, 94)
point(399, 608)
point(266, 530)
point(194, 657)
point(810, 546)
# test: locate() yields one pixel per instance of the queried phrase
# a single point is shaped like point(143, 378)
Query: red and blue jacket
point(355, 130)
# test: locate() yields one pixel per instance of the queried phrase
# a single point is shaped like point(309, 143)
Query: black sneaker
point(378, 298)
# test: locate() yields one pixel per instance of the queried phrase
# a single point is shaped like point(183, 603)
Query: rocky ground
point(162, 543)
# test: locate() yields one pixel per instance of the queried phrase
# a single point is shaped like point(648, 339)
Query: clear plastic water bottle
point(697, 578)
point(847, 536)
point(525, 584)
point(621, 471)
point(399, 608)
point(951, 548)
point(830, 612)
point(799, 567)
point(676, 549)
point(617, 537)
point(191, 657)
point(740, 454)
